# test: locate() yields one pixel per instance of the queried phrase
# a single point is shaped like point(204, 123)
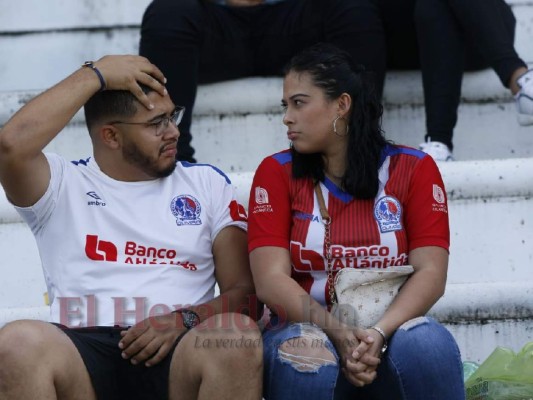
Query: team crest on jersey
point(186, 209)
point(388, 213)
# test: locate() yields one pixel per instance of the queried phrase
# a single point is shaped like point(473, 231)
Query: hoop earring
point(335, 126)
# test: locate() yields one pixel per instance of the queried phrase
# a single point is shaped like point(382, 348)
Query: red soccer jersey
point(409, 211)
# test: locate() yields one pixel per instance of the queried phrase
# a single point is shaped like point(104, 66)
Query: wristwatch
point(189, 317)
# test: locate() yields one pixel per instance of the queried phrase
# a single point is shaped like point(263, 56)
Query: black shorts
point(114, 378)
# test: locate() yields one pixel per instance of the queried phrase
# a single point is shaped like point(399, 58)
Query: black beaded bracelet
point(90, 64)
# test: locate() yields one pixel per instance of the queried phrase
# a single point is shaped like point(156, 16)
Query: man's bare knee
point(225, 347)
point(20, 341)
point(223, 337)
point(308, 352)
point(40, 352)
point(27, 343)
point(231, 331)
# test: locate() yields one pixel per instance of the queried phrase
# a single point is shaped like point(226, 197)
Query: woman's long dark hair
point(334, 71)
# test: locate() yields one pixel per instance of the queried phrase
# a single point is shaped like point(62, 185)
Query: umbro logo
point(94, 195)
point(97, 200)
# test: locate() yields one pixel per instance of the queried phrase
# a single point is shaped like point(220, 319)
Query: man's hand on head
point(125, 72)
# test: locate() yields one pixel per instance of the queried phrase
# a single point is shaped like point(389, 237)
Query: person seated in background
point(444, 38)
point(205, 41)
point(339, 164)
point(132, 244)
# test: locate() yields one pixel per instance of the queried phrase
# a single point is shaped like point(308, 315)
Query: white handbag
point(363, 295)
point(359, 297)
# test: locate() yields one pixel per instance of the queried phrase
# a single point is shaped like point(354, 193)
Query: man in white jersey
point(132, 245)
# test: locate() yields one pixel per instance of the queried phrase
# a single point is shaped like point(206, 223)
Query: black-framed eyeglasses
point(160, 124)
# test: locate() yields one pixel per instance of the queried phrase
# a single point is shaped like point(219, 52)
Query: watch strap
point(189, 317)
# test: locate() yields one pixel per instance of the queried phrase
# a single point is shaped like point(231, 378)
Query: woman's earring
point(335, 126)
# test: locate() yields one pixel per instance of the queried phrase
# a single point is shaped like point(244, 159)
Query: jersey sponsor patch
point(100, 250)
point(440, 198)
point(307, 260)
point(262, 203)
point(307, 217)
point(186, 209)
point(438, 194)
point(388, 213)
point(133, 253)
point(261, 195)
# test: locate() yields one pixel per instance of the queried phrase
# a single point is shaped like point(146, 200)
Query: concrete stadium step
point(237, 135)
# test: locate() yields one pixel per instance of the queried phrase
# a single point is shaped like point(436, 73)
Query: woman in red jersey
point(387, 207)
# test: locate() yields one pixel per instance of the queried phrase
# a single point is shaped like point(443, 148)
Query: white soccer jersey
point(115, 253)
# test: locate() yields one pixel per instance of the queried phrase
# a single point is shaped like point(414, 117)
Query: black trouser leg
point(490, 27)
point(196, 42)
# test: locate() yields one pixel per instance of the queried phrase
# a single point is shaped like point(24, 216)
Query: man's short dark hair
point(110, 105)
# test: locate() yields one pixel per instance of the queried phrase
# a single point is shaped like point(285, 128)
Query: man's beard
point(133, 155)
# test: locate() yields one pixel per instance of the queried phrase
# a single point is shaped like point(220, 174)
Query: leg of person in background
point(403, 54)
point(356, 27)
point(490, 26)
point(194, 42)
point(171, 34)
point(441, 44)
point(283, 29)
point(445, 28)
point(400, 34)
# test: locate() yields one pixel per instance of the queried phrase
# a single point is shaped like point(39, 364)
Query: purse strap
point(326, 220)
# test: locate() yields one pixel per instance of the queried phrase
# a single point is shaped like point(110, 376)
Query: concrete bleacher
point(490, 187)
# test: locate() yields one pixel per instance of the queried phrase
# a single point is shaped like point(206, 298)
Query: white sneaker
point(524, 99)
point(439, 151)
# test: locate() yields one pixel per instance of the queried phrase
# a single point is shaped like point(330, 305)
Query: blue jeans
point(422, 363)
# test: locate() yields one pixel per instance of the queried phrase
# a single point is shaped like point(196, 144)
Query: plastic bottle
point(469, 367)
